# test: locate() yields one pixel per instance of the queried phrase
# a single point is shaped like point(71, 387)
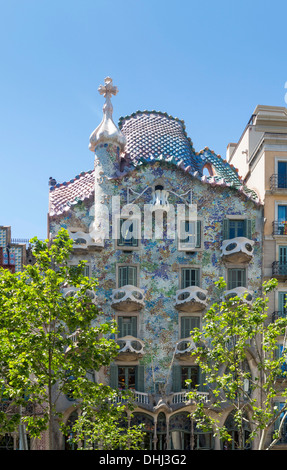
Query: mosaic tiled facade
point(159, 288)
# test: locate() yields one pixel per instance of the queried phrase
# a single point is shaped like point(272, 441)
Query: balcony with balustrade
point(183, 397)
point(278, 183)
point(279, 270)
point(139, 398)
point(279, 228)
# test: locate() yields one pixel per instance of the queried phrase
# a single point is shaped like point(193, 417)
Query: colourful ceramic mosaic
point(157, 288)
point(159, 261)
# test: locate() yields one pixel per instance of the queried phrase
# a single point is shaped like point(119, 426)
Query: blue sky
point(207, 63)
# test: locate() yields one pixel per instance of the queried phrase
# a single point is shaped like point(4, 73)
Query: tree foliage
point(234, 334)
point(50, 341)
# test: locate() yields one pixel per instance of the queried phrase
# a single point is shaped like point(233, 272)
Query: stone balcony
point(242, 292)
point(128, 298)
point(83, 242)
point(183, 349)
point(191, 299)
point(237, 250)
point(131, 348)
point(72, 291)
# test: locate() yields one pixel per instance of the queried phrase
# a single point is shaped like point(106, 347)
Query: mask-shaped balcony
point(82, 242)
point(242, 292)
point(74, 339)
point(191, 299)
point(72, 291)
point(237, 250)
point(183, 348)
point(128, 298)
point(131, 348)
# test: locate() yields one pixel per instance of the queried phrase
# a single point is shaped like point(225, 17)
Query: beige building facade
point(260, 156)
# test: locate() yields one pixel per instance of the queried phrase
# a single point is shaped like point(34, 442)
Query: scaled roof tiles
point(151, 136)
point(63, 195)
point(154, 135)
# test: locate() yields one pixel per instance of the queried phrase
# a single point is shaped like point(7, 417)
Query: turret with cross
point(107, 131)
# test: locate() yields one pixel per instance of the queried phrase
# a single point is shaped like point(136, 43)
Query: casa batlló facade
point(158, 224)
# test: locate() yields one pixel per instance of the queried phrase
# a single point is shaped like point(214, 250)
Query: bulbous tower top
point(107, 131)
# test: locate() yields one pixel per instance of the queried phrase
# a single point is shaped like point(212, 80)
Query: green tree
point(50, 341)
point(235, 331)
point(103, 423)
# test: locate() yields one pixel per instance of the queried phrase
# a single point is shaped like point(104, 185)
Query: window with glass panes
point(127, 326)
point(189, 373)
point(127, 377)
point(128, 233)
point(127, 275)
point(192, 230)
point(282, 174)
point(86, 269)
point(189, 277)
point(236, 278)
point(233, 228)
point(282, 302)
point(187, 324)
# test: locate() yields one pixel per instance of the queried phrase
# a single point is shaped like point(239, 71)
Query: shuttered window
point(127, 275)
point(128, 233)
point(85, 272)
point(193, 229)
point(182, 373)
point(188, 324)
point(282, 302)
point(189, 277)
point(236, 278)
point(189, 373)
point(236, 228)
point(127, 377)
point(127, 326)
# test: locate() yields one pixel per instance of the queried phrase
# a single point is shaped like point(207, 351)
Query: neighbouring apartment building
point(261, 158)
point(13, 253)
point(156, 266)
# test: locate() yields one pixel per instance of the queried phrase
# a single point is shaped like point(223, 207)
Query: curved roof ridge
point(156, 134)
point(222, 167)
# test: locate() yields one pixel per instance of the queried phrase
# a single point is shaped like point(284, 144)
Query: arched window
point(148, 428)
point(69, 444)
point(239, 436)
point(182, 437)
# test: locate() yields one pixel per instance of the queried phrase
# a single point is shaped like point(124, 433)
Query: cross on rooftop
point(108, 89)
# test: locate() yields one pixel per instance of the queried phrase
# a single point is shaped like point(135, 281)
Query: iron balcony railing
point(278, 181)
point(279, 314)
point(279, 228)
point(279, 268)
